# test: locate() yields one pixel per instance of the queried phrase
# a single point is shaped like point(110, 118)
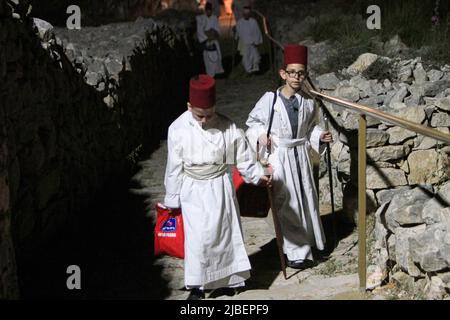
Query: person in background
point(250, 37)
point(208, 36)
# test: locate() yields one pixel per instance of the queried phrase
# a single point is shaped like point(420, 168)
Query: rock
point(394, 46)
point(435, 289)
point(384, 196)
point(402, 249)
point(444, 192)
point(362, 63)
point(419, 286)
point(404, 73)
point(424, 143)
point(387, 84)
point(444, 103)
point(445, 277)
point(398, 135)
point(386, 153)
point(381, 178)
point(348, 93)
point(327, 81)
point(406, 208)
point(420, 75)
point(372, 102)
point(431, 249)
point(431, 89)
point(428, 166)
point(351, 121)
point(398, 96)
point(440, 119)
point(404, 165)
point(435, 211)
point(375, 276)
point(413, 114)
point(376, 137)
point(435, 75)
point(44, 29)
point(403, 280)
point(363, 85)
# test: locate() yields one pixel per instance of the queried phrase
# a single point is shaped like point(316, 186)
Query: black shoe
point(196, 294)
point(300, 264)
point(223, 292)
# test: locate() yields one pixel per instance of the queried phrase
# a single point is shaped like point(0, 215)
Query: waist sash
point(206, 171)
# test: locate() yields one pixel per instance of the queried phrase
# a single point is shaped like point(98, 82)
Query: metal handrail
point(386, 117)
point(266, 29)
point(363, 111)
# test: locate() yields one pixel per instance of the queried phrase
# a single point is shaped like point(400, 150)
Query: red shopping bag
point(169, 232)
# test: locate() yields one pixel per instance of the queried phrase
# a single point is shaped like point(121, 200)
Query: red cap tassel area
point(295, 53)
point(202, 91)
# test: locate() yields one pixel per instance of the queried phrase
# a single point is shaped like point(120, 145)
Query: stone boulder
point(406, 208)
point(428, 167)
point(431, 249)
point(363, 62)
point(381, 178)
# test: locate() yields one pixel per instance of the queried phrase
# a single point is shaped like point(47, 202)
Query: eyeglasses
point(293, 73)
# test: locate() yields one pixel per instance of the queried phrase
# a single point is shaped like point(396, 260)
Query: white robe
point(299, 215)
point(212, 59)
point(249, 34)
point(215, 254)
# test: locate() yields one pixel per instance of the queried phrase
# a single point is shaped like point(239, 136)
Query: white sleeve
point(174, 172)
point(314, 132)
point(201, 36)
point(258, 118)
point(257, 33)
point(250, 169)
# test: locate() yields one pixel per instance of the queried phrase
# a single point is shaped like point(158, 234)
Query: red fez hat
point(295, 53)
point(202, 91)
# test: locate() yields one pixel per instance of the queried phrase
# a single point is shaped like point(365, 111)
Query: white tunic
point(295, 201)
point(249, 34)
point(198, 179)
point(212, 59)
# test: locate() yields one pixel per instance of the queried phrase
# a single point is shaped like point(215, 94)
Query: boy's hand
point(263, 140)
point(265, 181)
point(326, 137)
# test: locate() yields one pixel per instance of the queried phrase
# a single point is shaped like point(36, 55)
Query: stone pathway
point(335, 278)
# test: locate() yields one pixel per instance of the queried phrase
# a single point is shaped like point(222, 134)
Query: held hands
point(263, 140)
point(326, 137)
point(265, 181)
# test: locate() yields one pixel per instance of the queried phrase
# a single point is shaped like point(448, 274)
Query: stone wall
point(63, 137)
point(407, 174)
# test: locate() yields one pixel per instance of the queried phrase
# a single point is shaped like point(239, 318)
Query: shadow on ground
point(266, 265)
point(112, 245)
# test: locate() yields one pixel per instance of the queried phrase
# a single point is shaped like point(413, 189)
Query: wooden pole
point(278, 235)
point(362, 202)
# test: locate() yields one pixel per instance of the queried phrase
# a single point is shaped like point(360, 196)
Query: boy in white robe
point(208, 36)
point(203, 148)
point(293, 134)
point(249, 35)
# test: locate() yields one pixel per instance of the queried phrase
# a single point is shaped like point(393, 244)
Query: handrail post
point(362, 202)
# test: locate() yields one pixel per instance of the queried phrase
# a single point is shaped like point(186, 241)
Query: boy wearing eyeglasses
point(293, 134)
